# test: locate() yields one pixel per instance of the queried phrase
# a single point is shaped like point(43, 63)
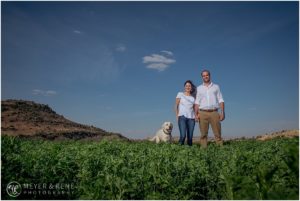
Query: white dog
point(163, 134)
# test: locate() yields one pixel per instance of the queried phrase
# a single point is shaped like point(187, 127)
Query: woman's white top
point(186, 105)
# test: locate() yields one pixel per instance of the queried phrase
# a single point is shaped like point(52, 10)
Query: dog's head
point(167, 128)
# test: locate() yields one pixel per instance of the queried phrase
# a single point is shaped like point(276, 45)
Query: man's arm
point(196, 108)
point(222, 112)
point(221, 104)
point(196, 105)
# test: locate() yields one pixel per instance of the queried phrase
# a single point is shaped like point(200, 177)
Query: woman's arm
point(177, 107)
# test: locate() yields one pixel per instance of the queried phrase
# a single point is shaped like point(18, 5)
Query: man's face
point(205, 77)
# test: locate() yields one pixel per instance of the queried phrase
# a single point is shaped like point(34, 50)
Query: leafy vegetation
point(246, 169)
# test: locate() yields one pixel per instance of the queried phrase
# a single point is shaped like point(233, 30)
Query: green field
point(246, 169)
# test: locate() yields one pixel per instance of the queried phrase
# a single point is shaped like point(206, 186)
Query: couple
point(205, 105)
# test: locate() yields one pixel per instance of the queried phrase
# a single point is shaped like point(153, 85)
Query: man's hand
point(197, 117)
point(222, 116)
point(196, 108)
point(222, 111)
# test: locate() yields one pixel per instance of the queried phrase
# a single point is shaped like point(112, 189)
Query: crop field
point(116, 170)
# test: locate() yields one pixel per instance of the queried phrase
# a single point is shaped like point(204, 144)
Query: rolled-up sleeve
point(179, 95)
point(219, 96)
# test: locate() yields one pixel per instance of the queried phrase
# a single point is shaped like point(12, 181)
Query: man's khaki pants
point(213, 119)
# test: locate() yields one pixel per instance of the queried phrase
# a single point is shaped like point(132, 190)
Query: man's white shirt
point(209, 97)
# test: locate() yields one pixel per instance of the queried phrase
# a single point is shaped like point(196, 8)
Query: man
point(208, 101)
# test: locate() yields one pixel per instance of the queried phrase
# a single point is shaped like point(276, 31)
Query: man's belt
point(211, 110)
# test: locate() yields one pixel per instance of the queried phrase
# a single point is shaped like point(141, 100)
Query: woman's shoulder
point(179, 94)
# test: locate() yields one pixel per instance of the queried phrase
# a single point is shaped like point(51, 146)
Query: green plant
point(142, 170)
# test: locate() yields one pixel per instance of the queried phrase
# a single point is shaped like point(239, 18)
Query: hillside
point(279, 134)
point(263, 137)
point(30, 119)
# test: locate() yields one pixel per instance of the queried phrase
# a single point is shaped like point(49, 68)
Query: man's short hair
point(205, 71)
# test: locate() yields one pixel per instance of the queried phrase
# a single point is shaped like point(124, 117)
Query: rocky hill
point(279, 134)
point(33, 120)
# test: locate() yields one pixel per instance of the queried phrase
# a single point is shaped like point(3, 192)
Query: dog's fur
point(163, 134)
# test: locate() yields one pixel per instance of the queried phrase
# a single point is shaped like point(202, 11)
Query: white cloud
point(43, 92)
point(156, 58)
point(159, 62)
point(121, 48)
point(102, 95)
point(50, 93)
point(37, 92)
point(158, 66)
point(77, 32)
point(167, 52)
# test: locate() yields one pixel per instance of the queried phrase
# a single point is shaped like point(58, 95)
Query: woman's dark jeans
point(186, 128)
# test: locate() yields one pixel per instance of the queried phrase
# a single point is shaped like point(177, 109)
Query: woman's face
point(188, 87)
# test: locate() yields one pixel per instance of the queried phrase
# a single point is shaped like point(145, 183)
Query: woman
point(185, 114)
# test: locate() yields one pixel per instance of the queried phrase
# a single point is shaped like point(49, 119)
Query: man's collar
point(210, 85)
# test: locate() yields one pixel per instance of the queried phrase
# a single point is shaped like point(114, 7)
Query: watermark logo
point(14, 189)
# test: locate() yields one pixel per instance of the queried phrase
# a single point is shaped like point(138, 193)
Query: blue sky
point(120, 65)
